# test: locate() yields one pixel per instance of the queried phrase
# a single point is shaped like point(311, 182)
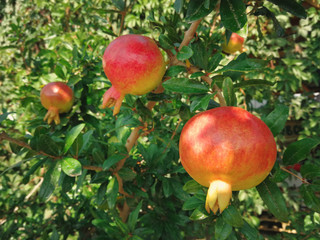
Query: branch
point(295, 175)
point(189, 34)
point(5, 136)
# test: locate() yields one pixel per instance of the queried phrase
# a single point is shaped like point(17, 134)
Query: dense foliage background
point(96, 176)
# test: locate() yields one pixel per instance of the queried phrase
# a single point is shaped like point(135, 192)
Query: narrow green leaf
point(277, 119)
point(72, 135)
point(174, 71)
point(291, 6)
point(273, 198)
point(178, 5)
point(222, 229)
point(184, 85)
point(133, 217)
point(4, 116)
point(310, 171)
point(233, 14)
point(50, 181)
point(228, 93)
point(48, 145)
point(232, 216)
point(111, 161)
point(167, 188)
point(299, 150)
point(122, 226)
point(34, 168)
point(101, 193)
point(199, 214)
point(86, 138)
point(199, 8)
point(253, 83)
point(127, 174)
point(165, 42)
point(185, 53)
point(309, 197)
point(249, 232)
point(243, 64)
point(112, 192)
point(200, 102)
point(192, 203)
point(214, 61)
point(72, 167)
point(120, 4)
point(67, 183)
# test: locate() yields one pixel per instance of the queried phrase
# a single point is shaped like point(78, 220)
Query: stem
point(295, 175)
point(189, 34)
point(5, 136)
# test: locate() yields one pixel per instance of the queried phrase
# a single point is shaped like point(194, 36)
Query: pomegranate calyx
point(52, 115)
point(218, 196)
point(112, 97)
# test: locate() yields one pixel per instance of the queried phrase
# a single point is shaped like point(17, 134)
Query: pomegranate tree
point(57, 97)
point(235, 44)
point(134, 65)
point(226, 149)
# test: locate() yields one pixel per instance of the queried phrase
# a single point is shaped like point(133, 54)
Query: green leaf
point(67, 183)
point(72, 135)
point(222, 229)
point(273, 198)
point(165, 42)
point(199, 214)
point(127, 174)
point(291, 6)
point(253, 83)
point(228, 93)
point(309, 197)
point(111, 161)
point(214, 61)
point(50, 181)
point(198, 9)
point(178, 5)
point(34, 168)
point(133, 217)
point(167, 188)
point(174, 71)
point(185, 53)
point(277, 119)
point(120, 4)
point(192, 203)
point(249, 232)
point(112, 192)
point(310, 171)
point(48, 145)
point(243, 64)
point(200, 102)
point(184, 85)
point(233, 14)
point(72, 167)
point(101, 192)
point(299, 150)
point(4, 116)
point(232, 216)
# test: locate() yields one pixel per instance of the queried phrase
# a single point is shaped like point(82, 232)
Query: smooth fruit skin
point(226, 149)
point(235, 44)
point(57, 97)
point(134, 65)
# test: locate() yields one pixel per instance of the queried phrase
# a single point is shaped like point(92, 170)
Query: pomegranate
point(235, 44)
point(57, 97)
point(226, 149)
point(134, 65)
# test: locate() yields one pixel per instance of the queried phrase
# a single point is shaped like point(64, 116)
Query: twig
point(295, 175)
point(5, 136)
point(189, 34)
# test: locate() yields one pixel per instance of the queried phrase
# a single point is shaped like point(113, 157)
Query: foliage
point(96, 176)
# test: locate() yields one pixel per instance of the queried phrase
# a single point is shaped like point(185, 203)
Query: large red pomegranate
point(134, 65)
point(235, 44)
point(226, 149)
point(57, 97)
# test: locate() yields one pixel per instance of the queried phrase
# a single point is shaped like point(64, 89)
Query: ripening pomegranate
point(57, 97)
point(235, 44)
point(226, 149)
point(134, 65)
